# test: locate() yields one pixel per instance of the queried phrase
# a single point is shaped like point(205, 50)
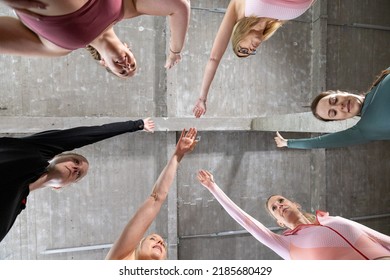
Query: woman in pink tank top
point(57, 27)
point(248, 23)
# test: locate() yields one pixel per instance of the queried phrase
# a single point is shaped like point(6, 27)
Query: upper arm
point(135, 229)
point(351, 136)
point(162, 8)
point(225, 31)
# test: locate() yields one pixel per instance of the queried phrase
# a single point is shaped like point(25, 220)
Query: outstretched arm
point(54, 142)
point(219, 47)
point(275, 242)
point(145, 215)
point(348, 137)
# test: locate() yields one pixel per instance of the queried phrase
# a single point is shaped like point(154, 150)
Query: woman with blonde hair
point(308, 236)
point(58, 27)
point(248, 23)
point(131, 244)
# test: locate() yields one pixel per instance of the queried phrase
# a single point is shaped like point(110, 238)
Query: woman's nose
point(342, 105)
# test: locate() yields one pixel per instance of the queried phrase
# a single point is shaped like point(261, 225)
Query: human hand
point(200, 107)
point(172, 60)
point(280, 141)
point(25, 4)
point(148, 125)
point(187, 141)
point(206, 178)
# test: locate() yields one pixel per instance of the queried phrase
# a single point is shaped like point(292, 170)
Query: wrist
point(179, 156)
point(174, 52)
point(204, 99)
point(140, 124)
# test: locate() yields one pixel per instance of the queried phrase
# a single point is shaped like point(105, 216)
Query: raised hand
point(187, 141)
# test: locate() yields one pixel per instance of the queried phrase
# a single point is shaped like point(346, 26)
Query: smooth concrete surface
point(335, 45)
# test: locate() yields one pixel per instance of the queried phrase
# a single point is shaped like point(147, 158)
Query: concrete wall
point(335, 45)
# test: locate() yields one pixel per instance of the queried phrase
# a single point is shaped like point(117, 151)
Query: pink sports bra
point(278, 9)
point(78, 29)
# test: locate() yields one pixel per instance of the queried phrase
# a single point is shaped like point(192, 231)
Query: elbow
point(158, 197)
point(185, 4)
point(214, 59)
point(182, 7)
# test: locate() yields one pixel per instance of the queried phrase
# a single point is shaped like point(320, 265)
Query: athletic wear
point(24, 160)
point(78, 29)
point(277, 9)
point(374, 123)
point(333, 238)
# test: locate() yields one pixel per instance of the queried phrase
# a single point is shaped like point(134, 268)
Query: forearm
point(219, 47)
point(245, 220)
point(166, 178)
point(57, 141)
point(178, 22)
point(208, 77)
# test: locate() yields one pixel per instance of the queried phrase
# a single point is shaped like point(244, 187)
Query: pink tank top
point(278, 9)
point(78, 29)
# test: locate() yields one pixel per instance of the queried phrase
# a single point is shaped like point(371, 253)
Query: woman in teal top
point(373, 109)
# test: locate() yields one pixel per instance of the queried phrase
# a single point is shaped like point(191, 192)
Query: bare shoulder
point(237, 7)
point(130, 8)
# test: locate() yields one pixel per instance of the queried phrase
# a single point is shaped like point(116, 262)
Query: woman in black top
point(37, 161)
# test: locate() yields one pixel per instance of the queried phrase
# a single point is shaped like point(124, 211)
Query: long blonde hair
point(96, 55)
point(243, 27)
